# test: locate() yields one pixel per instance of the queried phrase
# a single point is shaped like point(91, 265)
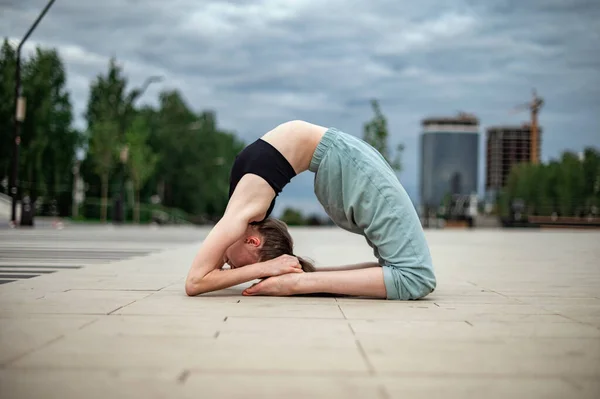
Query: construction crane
point(534, 107)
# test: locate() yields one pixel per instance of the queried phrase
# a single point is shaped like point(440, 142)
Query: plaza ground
point(100, 312)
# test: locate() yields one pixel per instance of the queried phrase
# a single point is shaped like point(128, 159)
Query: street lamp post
point(20, 115)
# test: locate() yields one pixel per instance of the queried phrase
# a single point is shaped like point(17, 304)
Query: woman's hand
point(283, 264)
point(283, 285)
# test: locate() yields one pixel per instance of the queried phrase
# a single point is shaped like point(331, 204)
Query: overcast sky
point(260, 63)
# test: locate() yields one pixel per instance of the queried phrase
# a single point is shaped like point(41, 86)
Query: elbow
point(190, 289)
point(193, 286)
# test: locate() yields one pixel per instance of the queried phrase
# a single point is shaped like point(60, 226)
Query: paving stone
point(125, 282)
point(586, 388)
point(281, 385)
point(432, 311)
point(83, 351)
point(440, 386)
point(335, 327)
point(166, 326)
point(287, 341)
point(298, 300)
point(467, 358)
point(89, 384)
point(441, 330)
point(508, 319)
point(183, 305)
point(75, 302)
point(22, 334)
point(542, 330)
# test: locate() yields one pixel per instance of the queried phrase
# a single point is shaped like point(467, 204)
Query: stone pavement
point(516, 315)
point(27, 253)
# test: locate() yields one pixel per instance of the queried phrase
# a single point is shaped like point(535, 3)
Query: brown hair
point(277, 241)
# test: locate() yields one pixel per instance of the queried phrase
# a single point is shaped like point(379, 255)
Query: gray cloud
point(259, 63)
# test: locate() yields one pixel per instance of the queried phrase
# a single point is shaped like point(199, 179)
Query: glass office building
point(449, 159)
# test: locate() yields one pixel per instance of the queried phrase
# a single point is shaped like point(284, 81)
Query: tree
point(292, 217)
point(196, 157)
point(7, 107)
point(141, 160)
point(48, 141)
point(108, 114)
point(48, 137)
point(569, 186)
point(591, 173)
point(103, 152)
point(376, 134)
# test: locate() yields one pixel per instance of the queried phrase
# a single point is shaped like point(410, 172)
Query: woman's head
point(264, 241)
point(277, 241)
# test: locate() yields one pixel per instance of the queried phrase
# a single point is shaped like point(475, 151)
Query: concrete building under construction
point(506, 147)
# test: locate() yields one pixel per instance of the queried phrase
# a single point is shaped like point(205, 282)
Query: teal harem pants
point(361, 194)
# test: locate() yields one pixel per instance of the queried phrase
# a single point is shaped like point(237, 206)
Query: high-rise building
point(506, 147)
point(449, 158)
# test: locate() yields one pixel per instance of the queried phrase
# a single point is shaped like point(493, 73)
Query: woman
point(358, 190)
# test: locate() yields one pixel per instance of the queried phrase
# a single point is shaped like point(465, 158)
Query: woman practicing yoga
point(358, 190)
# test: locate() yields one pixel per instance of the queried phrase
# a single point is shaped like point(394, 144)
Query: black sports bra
point(264, 160)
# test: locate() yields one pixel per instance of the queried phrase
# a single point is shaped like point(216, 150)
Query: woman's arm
point(210, 256)
point(219, 279)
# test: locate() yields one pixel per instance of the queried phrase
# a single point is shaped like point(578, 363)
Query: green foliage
point(566, 187)
point(141, 159)
point(174, 153)
point(48, 140)
point(102, 151)
point(375, 132)
point(196, 157)
point(7, 106)
point(293, 217)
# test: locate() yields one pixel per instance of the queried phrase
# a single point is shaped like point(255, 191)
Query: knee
point(408, 284)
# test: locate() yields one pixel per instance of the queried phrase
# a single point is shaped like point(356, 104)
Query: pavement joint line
point(343, 314)
point(286, 372)
point(571, 319)
point(22, 355)
point(351, 329)
point(120, 307)
point(112, 289)
point(383, 393)
point(362, 351)
point(501, 294)
point(89, 323)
